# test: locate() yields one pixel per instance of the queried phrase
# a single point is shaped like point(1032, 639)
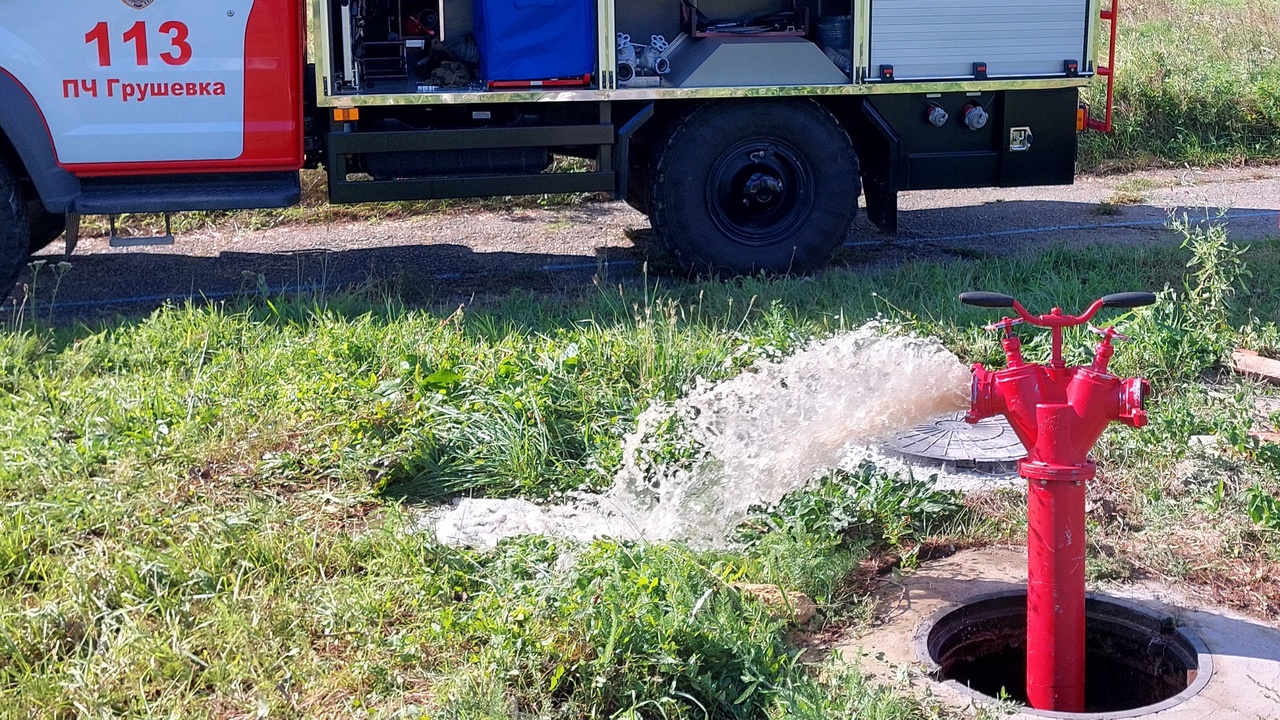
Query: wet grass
point(210, 511)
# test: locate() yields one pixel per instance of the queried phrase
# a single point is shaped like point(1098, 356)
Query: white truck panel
point(939, 39)
point(127, 111)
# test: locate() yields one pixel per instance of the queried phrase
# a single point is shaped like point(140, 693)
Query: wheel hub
point(760, 191)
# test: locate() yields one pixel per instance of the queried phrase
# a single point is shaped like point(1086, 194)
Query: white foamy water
point(692, 470)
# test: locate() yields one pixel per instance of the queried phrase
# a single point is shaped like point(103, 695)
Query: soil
point(463, 255)
point(795, 607)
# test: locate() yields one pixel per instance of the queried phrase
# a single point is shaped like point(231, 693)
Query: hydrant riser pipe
point(1055, 595)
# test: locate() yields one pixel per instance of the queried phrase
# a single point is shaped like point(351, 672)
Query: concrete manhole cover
point(989, 445)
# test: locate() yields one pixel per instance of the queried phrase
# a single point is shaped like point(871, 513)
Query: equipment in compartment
point(527, 40)
point(389, 41)
point(568, 82)
point(425, 23)
point(835, 37)
point(626, 59)
point(767, 43)
point(377, 44)
point(644, 65)
point(789, 23)
point(751, 61)
point(451, 66)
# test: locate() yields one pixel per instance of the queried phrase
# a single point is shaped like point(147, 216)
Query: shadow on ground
point(139, 281)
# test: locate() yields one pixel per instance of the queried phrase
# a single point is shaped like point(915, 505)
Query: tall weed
point(865, 507)
point(1190, 328)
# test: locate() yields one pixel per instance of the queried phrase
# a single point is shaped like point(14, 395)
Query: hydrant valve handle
point(1057, 319)
point(1129, 300)
point(1109, 333)
point(987, 299)
point(1006, 324)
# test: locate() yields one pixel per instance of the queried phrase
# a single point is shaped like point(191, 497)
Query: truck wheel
point(15, 227)
point(744, 187)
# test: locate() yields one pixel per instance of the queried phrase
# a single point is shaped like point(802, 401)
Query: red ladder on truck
point(1108, 70)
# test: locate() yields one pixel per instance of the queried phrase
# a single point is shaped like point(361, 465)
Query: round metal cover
point(989, 445)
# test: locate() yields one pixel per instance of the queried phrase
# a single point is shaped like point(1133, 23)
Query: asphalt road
point(465, 254)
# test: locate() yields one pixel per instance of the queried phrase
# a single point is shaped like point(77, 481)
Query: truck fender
point(625, 134)
point(22, 123)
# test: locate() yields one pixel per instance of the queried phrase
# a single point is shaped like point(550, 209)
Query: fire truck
point(746, 130)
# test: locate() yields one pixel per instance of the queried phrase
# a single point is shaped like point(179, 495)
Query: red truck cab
point(145, 106)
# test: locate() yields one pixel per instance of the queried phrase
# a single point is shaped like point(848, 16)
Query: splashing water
point(692, 470)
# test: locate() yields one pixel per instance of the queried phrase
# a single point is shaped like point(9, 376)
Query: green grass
point(209, 511)
point(1196, 82)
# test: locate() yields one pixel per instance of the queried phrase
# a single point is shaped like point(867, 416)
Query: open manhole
point(1136, 662)
point(989, 445)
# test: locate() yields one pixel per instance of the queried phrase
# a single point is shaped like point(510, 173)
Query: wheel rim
point(760, 191)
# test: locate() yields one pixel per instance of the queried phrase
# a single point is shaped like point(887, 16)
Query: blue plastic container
point(535, 39)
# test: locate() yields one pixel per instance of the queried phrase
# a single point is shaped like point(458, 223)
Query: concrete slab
point(1245, 684)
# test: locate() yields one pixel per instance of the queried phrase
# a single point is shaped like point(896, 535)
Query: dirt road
point(467, 253)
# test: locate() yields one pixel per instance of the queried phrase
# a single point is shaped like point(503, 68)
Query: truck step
point(183, 193)
point(123, 241)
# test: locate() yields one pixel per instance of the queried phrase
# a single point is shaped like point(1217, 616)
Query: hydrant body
point(1058, 413)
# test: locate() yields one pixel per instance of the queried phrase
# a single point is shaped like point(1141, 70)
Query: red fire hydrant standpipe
point(1058, 412)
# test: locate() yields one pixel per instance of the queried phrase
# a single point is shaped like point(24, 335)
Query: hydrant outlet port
point(1138, 662)
point(1133, 401)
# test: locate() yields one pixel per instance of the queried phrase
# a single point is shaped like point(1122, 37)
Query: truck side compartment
point(1013, 138)
point(1023, 137)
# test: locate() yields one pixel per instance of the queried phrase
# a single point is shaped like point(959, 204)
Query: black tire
point(15, 226)
point(751, 186)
